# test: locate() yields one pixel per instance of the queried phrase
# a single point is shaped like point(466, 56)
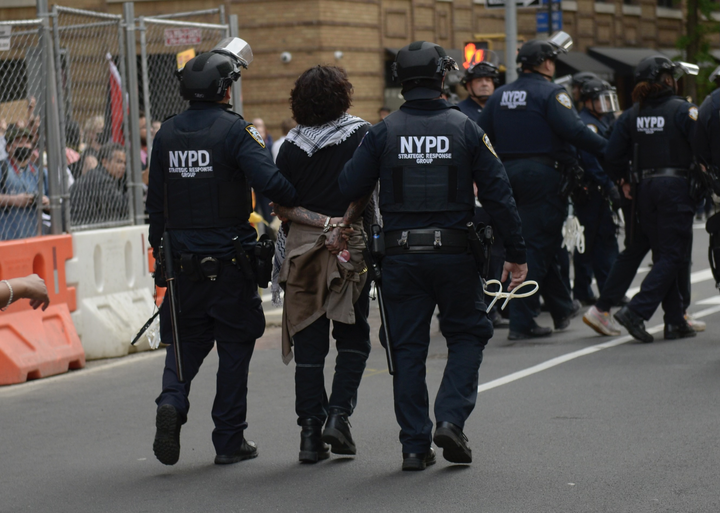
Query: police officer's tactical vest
point(661, 144)
point(203, 187)
point(426, 165)
point(520, 123)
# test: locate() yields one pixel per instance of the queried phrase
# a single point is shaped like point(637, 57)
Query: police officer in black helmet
point(534, 126)
point(427, 156)
point(662, 126)
point(594, 211)
point(578, 79)
point(203, 163)
point(480, 80)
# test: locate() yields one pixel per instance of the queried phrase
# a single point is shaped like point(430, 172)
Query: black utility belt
point(427, 240)
point(200, 267)
point(675, 172)
point(542, 159)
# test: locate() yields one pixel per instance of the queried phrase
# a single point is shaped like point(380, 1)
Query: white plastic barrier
point(114, 289)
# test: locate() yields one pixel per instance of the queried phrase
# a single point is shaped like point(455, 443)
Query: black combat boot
point(312, 447)
point(337, 433)
point(167, 437)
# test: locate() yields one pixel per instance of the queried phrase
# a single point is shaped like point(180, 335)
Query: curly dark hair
point(321, 94)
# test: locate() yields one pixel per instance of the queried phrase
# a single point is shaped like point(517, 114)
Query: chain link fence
point(91, 77)
point(165, 44)
point(83, 93)
point(23, 177)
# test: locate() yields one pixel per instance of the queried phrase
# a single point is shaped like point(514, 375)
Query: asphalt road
point(574, 423)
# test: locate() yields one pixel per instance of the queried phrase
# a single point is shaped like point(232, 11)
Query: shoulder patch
point(564, 100)
point(592, 127)
point(489, 145)
point(255, 134)
point(693, 113)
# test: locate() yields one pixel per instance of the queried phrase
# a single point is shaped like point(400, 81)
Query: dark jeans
point(227, 311)
point(542, 211)
point(666, 218)
point(311, 348)
point(413, 285)
point(601, 247)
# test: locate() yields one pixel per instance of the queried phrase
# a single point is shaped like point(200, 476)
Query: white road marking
point(577, 354)
point(710, 301)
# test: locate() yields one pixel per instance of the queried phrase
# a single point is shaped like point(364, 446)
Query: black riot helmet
point(208, 76)
point(578, 79)
point(536, 51)
point(598, 89)
point(420, 67)
point(652, 68)
point(482, 69)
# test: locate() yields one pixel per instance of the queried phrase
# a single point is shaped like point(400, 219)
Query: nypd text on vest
point(513, 99)
point(425, 149)
point(650, 124)
point(190, 163)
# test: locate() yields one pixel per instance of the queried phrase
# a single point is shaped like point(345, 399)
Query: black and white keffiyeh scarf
point(312, 139)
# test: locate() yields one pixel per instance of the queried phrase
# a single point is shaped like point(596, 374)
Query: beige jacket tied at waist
point(316, 283)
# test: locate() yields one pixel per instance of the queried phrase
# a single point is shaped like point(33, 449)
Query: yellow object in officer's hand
point(256, 218)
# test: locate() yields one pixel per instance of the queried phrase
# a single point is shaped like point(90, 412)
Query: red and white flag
point(116, 103)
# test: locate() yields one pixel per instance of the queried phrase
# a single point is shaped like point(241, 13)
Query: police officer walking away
point(594, 211)
point(659, 131)
point(204, 161)
point(480, 81)
point(533, 123)
point(427, 156)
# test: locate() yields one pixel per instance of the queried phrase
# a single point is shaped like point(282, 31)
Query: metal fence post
point(62, 116)
point(52, 122)
point(132, 87)
point(237, 85)
point(122, 61)
point(147, 104)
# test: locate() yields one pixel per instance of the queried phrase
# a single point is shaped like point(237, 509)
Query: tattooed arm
point(302, 215)
point(336, 240)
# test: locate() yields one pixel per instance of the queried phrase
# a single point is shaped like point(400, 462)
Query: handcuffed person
point(319, 286)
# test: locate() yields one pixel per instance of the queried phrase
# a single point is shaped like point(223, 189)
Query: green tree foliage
point(699, 27)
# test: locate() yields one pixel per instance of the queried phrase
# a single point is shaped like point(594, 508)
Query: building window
point(669, 4)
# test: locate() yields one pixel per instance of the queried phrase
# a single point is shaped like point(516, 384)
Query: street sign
point(542, 21)
point(5, 31)
point(183, 36)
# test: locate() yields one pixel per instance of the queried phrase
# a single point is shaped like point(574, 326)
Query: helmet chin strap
point(549, 77)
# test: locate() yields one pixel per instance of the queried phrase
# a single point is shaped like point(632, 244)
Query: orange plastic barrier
point(36, 344)
point(33, 343)
point(44, 256)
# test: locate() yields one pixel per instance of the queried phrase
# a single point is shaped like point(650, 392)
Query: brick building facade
point(360, 35)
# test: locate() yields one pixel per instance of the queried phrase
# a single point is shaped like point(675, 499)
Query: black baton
point(172, 293)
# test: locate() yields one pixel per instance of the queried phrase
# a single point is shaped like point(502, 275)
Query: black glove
point(614, 197)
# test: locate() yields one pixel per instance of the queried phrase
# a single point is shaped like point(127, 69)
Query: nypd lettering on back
point(425, 149)
point(514, 100)
point(190, 164)
point(650, 124)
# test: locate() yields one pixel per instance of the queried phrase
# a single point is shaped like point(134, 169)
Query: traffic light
point(475, 52)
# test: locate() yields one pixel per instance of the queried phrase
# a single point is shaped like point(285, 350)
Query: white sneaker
point(694, 323)
point(601, 322)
